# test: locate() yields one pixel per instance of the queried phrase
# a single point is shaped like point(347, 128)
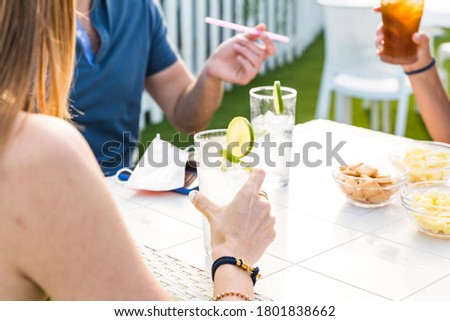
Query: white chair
point(352, 68)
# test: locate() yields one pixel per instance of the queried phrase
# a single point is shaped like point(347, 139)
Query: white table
point(326, 249)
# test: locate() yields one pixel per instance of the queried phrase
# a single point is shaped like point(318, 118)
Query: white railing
point(300, 20)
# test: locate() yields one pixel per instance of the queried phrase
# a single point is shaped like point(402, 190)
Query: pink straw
point(241, 28)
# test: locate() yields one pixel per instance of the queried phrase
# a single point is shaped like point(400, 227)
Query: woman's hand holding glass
point(243, 228)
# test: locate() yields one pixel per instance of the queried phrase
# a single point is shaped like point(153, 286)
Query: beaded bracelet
point(241, 295)
point(238, 262)
point(418, 71)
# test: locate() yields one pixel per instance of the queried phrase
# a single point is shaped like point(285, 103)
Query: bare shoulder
point(51, 156)
point(45, 157)
point(43, 139)
point(56, 207)
point(44, 160)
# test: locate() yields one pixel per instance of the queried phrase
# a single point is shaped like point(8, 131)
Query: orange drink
point(401, 19)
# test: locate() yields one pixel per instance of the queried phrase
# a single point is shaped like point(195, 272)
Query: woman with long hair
point(61, 235)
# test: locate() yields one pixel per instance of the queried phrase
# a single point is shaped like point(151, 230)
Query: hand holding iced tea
point(401, 19)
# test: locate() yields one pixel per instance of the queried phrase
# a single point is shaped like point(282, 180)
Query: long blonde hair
point(37, 44)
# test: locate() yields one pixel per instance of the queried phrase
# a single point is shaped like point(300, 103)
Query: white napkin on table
point(161, 168)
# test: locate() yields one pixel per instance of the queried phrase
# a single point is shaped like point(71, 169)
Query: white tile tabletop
point(404, 232)
point(157, 230)
point(325, 248)
point(300, 237)
point(382, 267)
point(437, 291)
point(300, 284)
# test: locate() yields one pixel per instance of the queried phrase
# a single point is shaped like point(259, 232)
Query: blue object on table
point(124, 176)
point(184, 190)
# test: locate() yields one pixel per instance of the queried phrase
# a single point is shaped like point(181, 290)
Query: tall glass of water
point(219, 180)
point(273, 132)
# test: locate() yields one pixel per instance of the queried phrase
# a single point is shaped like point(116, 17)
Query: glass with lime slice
point(221, 171)
point(272, 110)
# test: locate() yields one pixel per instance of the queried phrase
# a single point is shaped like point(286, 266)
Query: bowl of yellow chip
point(428, 206)
point(372, 183)
point(427, 161)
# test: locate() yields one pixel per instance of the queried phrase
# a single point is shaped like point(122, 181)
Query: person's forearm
point(199, 102)
point(433, 103)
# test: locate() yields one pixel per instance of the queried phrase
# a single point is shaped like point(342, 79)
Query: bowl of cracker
point(372, 183)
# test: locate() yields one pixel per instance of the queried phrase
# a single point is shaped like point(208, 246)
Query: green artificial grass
point(304, 75)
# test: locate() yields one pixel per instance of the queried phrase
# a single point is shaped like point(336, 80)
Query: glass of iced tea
point(401, 19)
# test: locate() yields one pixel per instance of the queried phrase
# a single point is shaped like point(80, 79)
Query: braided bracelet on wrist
point(418, 71)
point(237, 262)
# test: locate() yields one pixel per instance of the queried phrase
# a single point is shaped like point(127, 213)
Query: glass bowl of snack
point(427, 161)
point(428, 206)
point(372, 183)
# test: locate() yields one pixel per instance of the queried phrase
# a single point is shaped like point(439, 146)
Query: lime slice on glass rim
point(278, 103)
point(240, 139)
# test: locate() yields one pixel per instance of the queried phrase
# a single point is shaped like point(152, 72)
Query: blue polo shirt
point(107, 87)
